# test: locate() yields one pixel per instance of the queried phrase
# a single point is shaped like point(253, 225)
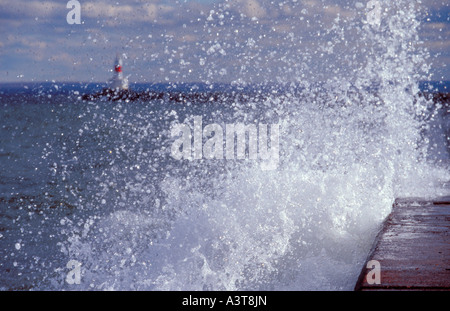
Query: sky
point(198, 40)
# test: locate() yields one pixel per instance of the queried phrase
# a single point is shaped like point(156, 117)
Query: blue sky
point(196, 40)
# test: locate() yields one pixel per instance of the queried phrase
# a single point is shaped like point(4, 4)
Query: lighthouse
point(117, 86)
point(118, 82)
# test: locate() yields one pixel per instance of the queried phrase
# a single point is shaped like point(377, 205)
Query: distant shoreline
point(94, 87)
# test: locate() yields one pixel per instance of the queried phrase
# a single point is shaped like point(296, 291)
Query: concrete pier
point(412, 250)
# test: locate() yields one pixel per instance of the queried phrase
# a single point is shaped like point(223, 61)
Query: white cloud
point(22, 8)
point(103, 9)
point(123, 13)
point(250, 8)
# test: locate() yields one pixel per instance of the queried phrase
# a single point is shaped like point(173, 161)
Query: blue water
point(95, 182)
